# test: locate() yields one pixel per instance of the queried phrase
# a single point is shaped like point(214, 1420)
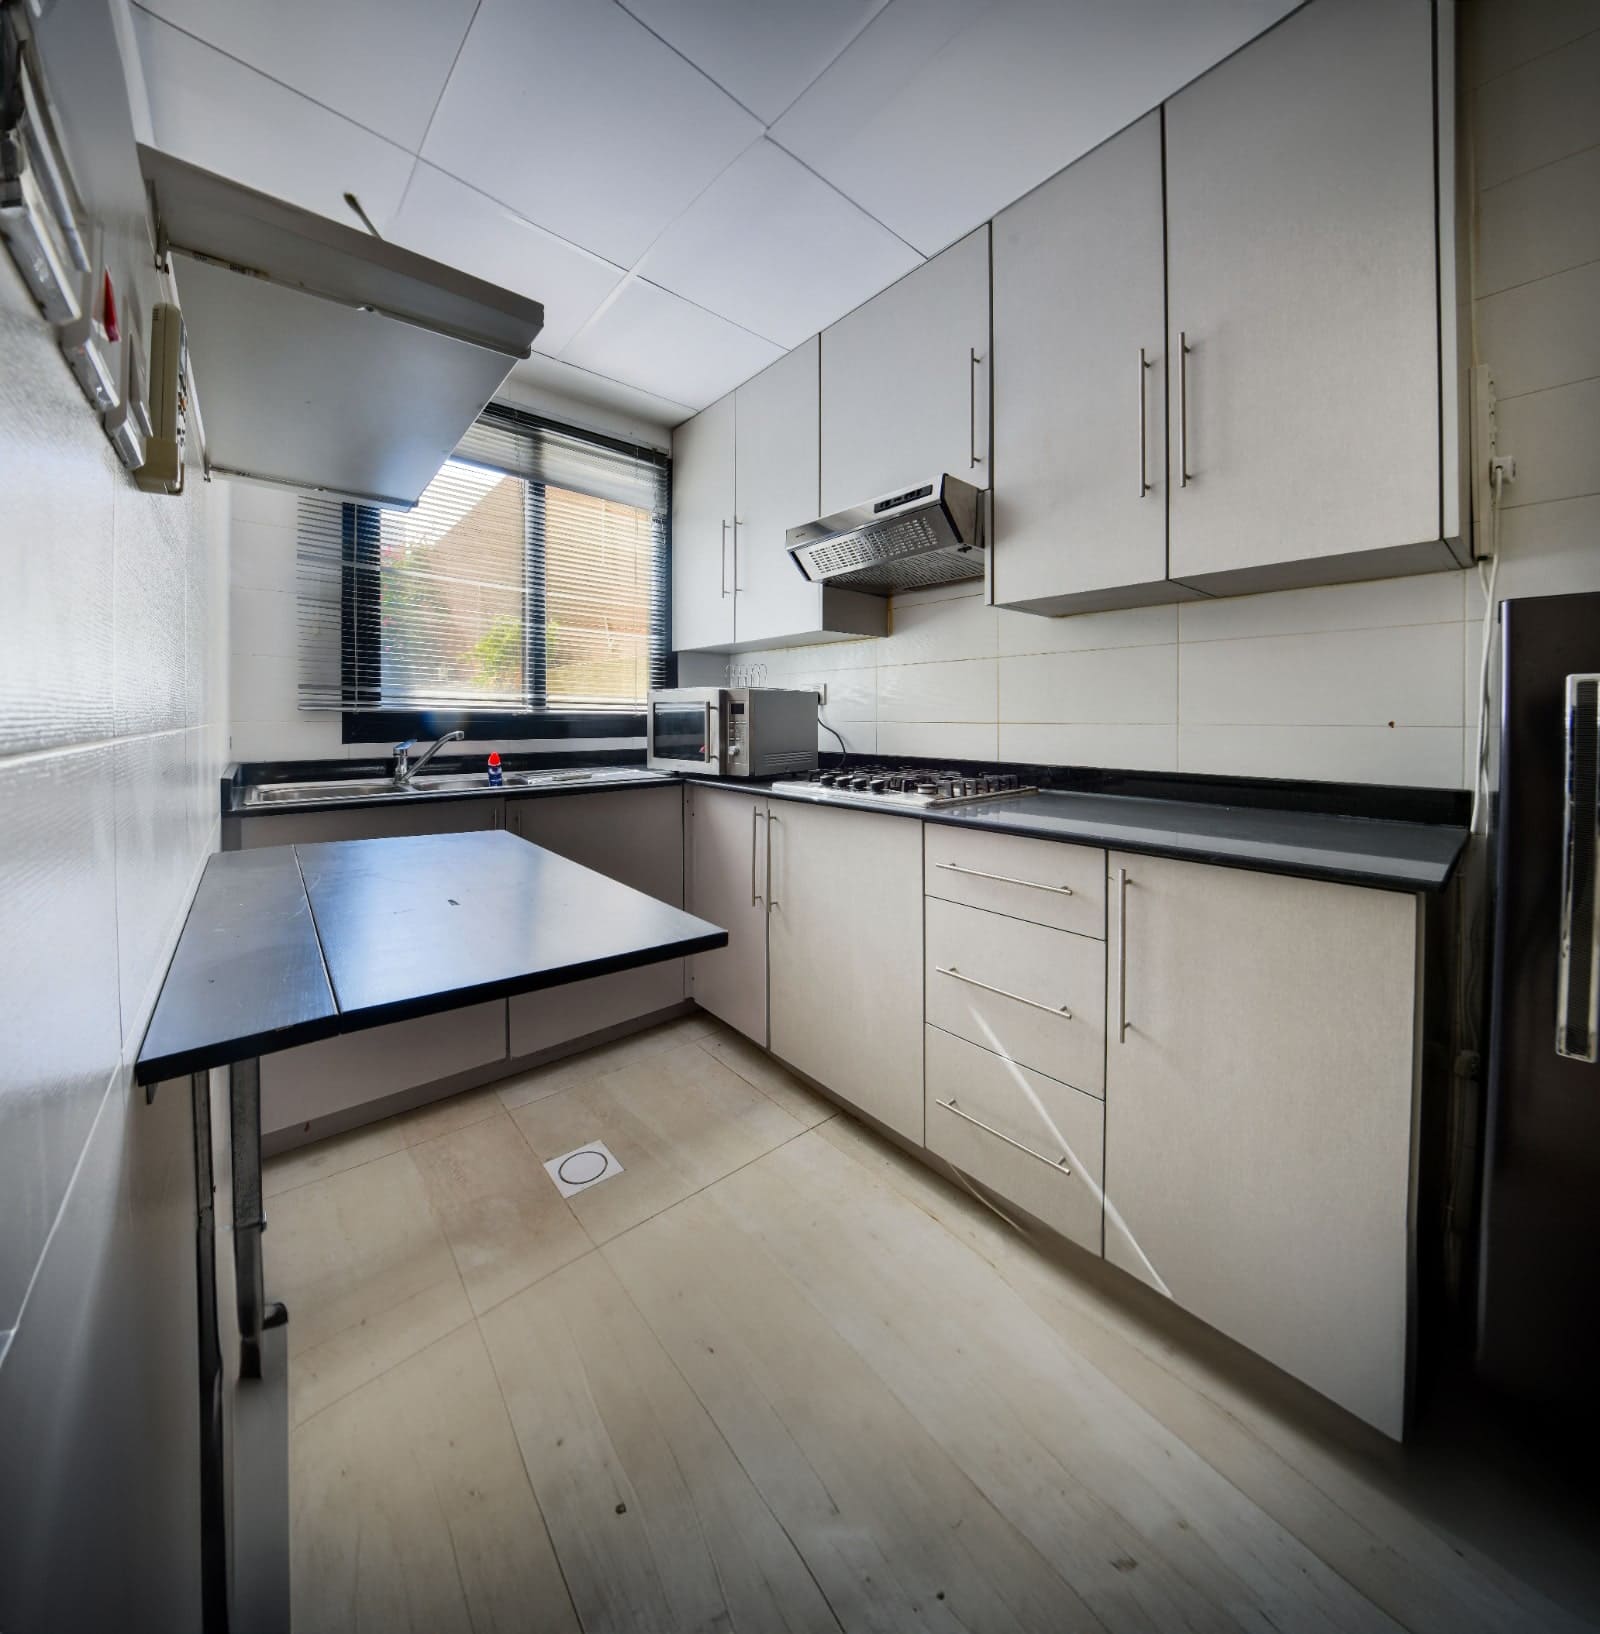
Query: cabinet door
point(902, 398)
point(631, 835)
point(844, 945)
point(702, 523)
point(1079, 385)
point(775, 490)
point(1302, 271)
point(1259, 1109)
point(725, 857)
point(422, 816)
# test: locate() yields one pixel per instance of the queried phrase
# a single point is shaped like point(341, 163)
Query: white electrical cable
point(1480, 782)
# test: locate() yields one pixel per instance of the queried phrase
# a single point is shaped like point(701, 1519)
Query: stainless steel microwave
point(732, 731)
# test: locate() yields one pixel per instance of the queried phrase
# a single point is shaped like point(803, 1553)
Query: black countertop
point(1394, 839)
point(1383, 852)
point(289, 944)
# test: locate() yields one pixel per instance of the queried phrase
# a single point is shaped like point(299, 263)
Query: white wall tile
point(1542, 334)
point(1543, 110)
point(852, 694)
point(961, 690)
point(1431, 598)
point(1109, 685)
point(264, 502)
point(1548, 550)
point(287, 737)
point(1498, 36)
point(942, 739)
point(1544, 221)
point(1419, 757)
point(1129, 627)
point(1555, 437)
point(1409, 676)
point(961, 627)
point(1129, 748)
point(262, 554)
point(263, 621)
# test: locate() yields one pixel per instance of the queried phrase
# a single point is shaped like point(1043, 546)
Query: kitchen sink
point(343, 788)
point(326, 790)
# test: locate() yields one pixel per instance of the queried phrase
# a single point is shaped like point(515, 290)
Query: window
point(524, 596)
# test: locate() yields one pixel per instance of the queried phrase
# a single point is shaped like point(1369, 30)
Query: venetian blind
point(531, 577)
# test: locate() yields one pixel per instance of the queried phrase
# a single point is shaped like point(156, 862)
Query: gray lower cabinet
point(1261, 1063)
point(844, 950)
point(725, 858)
point(315, 1081)
point(423, 816)
point(1027, 1137)
point(631, 835)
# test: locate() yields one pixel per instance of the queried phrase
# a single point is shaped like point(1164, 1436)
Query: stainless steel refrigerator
point(1539, 1263)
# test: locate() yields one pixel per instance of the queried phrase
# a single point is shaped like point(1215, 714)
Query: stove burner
point(917, 786)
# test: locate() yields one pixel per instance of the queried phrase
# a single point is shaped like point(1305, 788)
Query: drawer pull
point(1059, 1164)
point(972, 981)
point(1005, 879)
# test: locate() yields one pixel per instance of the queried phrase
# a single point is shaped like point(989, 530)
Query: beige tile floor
point(776, 1375)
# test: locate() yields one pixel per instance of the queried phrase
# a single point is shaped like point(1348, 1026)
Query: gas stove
point(920, 787)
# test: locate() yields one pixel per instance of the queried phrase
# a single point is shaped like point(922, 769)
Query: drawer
point(1025, 991)
point(1039, 880)
point(1054, 1122)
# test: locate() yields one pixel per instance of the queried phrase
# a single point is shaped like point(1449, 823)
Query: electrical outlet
point(821, 688)
point(1482, 432)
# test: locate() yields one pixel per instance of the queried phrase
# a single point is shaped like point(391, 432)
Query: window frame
point(361, 656)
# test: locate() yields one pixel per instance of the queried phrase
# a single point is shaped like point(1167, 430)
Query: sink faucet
point(405, 769)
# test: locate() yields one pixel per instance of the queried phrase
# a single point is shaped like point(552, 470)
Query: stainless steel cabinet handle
point(1122, 955)
point(1057, 1163)
point(1183, 409)
point(1144, 364)
point(724, 562)
point(755, 828)
point(1005, 879)
point(972, 981)
point(972, 404)
point(737, 587)
point(772, 901)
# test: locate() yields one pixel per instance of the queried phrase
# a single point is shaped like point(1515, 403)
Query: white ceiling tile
point(944, 111)
point(650, 338)
point(579, 118)
point(381, 63)
point(453, 223)
point(216, 113)
point(765, 55)
point(549, 386)
point(776, 249)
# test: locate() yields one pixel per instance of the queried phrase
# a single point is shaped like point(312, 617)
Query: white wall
point(1370, 682)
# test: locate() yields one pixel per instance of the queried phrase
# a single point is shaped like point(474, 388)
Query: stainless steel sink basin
point(289, 794)
point(339, 789)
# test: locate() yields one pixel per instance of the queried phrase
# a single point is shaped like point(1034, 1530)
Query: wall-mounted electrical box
point(162, 471)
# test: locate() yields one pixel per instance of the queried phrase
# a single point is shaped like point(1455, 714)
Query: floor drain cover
point(579, 1170)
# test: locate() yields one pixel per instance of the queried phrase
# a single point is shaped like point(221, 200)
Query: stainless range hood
point(324, 357)
point(929, 534)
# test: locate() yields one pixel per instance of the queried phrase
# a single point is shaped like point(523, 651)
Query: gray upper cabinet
point(906, 381)
point(1080, 508)
point(1309, 279)
point(702, 520)
point(744, 473)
